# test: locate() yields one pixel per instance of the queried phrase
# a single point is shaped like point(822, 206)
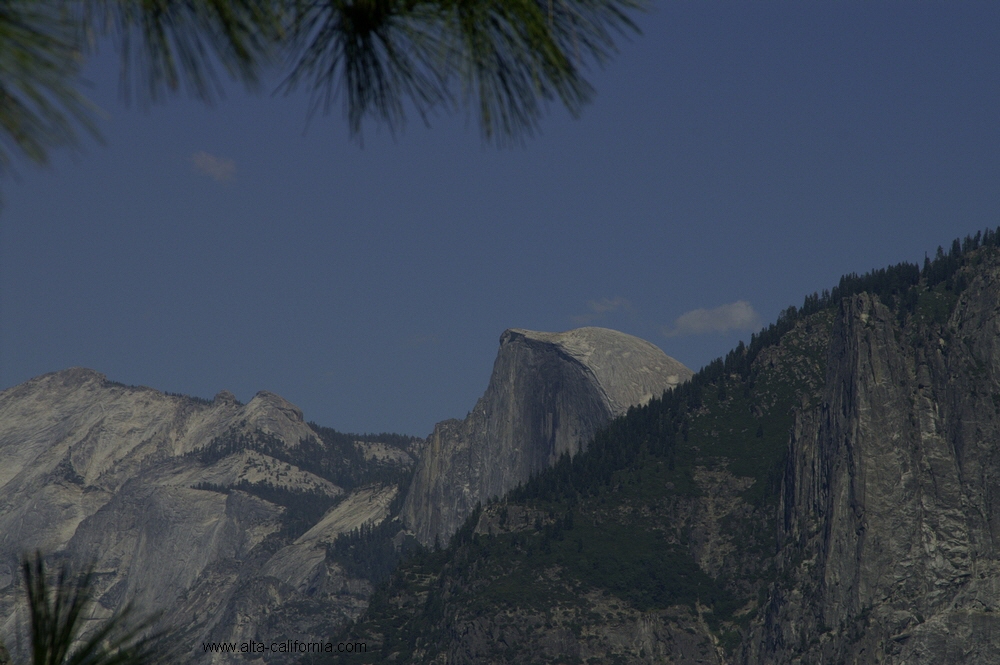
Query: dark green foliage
point(302, 509)
point(893, 285)
point(44, 43)
point(340, 461)
point(40, 107)
point(168, 45)
point(417, 586)
point(117, 384)
point(58, 615)
point(639, 565)
point(933, 305)
point(717, 415)
point(368, 552)
point(68, 471)
point(234, 441)
point(197, 400)
point(506, 60)
point(331, 455)
point(612, 519)
point(371, 551)
point(334, 438)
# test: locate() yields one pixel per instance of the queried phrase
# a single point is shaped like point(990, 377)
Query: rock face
point(828, 494)
point(891, 502)
point(548, 394)
point(184, 506)
point(222, 517)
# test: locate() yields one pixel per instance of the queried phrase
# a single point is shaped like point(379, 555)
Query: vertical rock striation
point(891, 500)
point(548, 394)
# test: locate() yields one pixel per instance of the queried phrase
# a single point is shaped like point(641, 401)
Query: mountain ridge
point(235, 519)
point(192, 508)
point(547, 396)
point(824, 494)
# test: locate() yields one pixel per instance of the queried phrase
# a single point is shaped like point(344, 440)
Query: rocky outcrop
point(185, 507)
point(548, 394)
point(193, 509)
point(891, 499)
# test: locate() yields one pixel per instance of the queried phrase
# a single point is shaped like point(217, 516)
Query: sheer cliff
point(827, 494)
point(216, 514)
point(548, 394)
point(240, 522)
point(891, 502)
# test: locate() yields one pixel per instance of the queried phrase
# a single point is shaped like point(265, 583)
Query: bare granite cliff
point(890, 512)
point(217, 515)
point(827, 494)
point(548, 394)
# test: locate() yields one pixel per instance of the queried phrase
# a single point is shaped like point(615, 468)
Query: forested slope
point(726, 522)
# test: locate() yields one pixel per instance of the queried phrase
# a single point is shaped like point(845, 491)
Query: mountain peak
point(629, 370)
point(548, 395)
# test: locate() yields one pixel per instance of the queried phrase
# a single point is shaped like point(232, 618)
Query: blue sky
point(737, 156)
